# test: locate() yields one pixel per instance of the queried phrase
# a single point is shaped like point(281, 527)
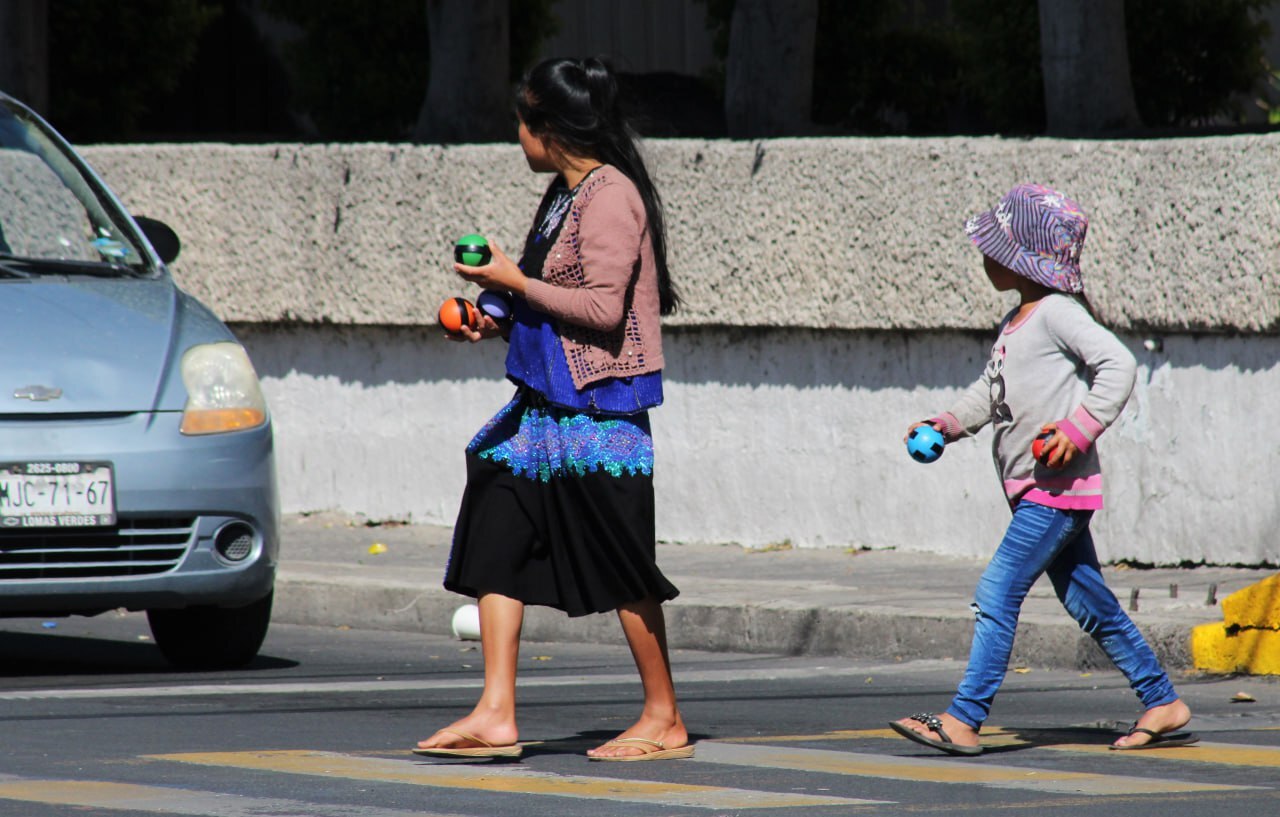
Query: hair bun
point(601, 83)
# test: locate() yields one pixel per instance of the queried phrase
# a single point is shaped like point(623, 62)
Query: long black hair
point(575, 104)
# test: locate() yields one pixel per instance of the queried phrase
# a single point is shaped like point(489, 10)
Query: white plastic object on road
point(466, 623)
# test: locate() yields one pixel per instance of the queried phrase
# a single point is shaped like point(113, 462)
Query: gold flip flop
point(659, 752)
point(485, 749)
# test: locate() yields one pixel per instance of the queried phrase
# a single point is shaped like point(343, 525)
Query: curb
point(311, 597)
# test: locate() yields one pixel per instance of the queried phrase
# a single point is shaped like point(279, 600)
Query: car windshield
point(55, 218)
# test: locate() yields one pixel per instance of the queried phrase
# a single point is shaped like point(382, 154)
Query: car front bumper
point(173, 494)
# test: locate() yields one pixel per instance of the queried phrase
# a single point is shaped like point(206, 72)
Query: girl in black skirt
point(558, 509)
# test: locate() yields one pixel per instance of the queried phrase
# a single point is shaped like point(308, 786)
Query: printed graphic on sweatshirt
point(1000, 411)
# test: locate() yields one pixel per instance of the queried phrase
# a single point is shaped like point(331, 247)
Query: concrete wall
point(831, 299)
point(840, 233)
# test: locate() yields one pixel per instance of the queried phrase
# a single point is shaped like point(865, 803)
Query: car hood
point(88, 345)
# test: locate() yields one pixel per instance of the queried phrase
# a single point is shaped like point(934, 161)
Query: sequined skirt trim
point(541, 442)
point(558, 511)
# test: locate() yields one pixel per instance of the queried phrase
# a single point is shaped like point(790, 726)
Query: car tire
point(211, 637)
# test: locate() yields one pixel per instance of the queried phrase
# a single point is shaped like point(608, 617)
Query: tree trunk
point(24, 51)
point(468, 93)
point(1084, 57)
point(769, 70)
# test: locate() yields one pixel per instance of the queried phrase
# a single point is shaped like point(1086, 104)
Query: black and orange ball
point(456, 313)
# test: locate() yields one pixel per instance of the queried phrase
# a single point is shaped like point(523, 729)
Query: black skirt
point(558, 511)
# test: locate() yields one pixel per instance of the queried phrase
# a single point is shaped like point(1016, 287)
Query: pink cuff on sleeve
point(1081, 428)
point(951, 428)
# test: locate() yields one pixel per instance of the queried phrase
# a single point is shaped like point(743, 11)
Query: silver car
point(136, 464)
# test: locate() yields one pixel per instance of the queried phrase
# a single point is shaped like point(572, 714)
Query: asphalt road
point(319, 725)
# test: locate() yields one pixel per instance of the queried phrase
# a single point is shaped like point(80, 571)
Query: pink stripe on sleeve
point(1081, 428)
point(951, 428)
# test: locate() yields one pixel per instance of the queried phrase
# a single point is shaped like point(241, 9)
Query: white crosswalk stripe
point(981, 773)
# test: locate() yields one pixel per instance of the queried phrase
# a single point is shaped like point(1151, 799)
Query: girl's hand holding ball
point(1052, 448)
point(462, 321)
point(924, 442)
point(478, 261)
point(501, 273)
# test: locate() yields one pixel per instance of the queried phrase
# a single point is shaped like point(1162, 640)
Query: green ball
point(472, 250)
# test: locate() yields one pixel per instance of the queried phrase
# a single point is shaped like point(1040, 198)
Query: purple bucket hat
point(1037, 232)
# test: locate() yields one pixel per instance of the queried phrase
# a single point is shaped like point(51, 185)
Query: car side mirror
point(162, 237)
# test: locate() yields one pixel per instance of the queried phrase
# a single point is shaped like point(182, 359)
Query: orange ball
point(456, 313)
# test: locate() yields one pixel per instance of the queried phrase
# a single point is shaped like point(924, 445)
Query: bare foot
point(958, 732)
point(669, 732)
point(496, 731)
point(1159, 719)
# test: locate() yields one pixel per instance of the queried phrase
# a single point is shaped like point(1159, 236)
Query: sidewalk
point(877, 605)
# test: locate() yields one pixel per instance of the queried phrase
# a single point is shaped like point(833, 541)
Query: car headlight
point(222, 390)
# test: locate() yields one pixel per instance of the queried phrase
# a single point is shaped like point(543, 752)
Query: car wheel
point(211, 637)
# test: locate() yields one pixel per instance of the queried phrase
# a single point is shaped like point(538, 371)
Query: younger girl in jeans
point(1052, 369)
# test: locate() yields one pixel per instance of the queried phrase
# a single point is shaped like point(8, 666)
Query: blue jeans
point(1039, 539)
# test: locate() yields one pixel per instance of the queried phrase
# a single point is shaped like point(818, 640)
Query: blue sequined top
point(535, 358)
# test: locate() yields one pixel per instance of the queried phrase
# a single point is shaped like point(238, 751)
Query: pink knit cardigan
point(600, 283)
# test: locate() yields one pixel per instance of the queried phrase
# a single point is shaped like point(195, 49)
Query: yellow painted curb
point(1217, 648)
point(1257, 605)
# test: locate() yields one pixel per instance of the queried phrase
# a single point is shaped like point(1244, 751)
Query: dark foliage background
point(358, 76)
point(145, 70)
point(110, 61)
point(1190, 56)
point(363, 75)
point(892, 67)
point(346, 70)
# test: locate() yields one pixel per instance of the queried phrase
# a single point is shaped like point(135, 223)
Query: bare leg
point(644, 626)
point(493, 719)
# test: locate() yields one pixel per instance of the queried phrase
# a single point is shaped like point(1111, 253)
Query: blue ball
point(496, 305)
point(925, 443)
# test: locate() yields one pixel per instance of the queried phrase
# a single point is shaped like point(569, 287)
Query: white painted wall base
point(792, 435)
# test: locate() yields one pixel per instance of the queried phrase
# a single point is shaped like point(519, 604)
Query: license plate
point(57, 495)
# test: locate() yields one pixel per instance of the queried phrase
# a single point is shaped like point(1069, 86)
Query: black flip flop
point(1159, 740)
point(932, 723)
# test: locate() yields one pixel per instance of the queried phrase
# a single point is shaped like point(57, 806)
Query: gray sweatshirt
point(1057, 366)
